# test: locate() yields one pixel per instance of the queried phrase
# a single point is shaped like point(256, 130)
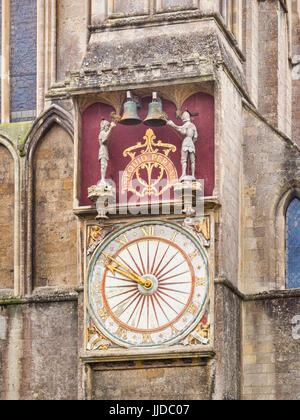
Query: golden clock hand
point(118, 264)
point(146, 283)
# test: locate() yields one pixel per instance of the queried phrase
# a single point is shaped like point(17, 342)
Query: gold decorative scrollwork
point(93, 234)
point(96, 340)
point(147, 157)
point(149, 146)
point(203, 227)
point(200, 335)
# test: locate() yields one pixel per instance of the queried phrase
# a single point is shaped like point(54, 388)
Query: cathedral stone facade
point(227, 326)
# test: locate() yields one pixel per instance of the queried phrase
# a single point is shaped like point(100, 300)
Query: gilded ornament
point(145, 158)
point(94, 232)
point(203, 227)
point(200, 335)
point(96, 340)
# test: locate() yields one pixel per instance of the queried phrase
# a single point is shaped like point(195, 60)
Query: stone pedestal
point(102, 195)
point(188, 190)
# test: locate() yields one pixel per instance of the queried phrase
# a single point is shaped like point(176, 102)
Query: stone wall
point(268, 60)
point(271, 348)
point(71, 36)
point(295, 56)
point(38, 351)
point(227, 332)
point(228, 166)
point(55, 231)
point(7, 202)
point(271, 167)
point(153, 380)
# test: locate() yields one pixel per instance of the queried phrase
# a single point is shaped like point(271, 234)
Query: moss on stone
point(12, 301)
point(17, 133)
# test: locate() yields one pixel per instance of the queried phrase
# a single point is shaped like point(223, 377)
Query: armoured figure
point(106, 128)
point(189, 130)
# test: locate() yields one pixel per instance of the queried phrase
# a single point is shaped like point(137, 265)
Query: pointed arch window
point(293, 245)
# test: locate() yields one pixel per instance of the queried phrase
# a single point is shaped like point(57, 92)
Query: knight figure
point(189, 130)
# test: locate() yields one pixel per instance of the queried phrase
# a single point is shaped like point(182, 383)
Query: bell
point(156, 117)
point(130, 116)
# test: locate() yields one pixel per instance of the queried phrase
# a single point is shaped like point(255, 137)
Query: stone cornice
point(266, 295)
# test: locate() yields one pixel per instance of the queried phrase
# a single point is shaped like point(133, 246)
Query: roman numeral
point(147, 339)
point(174, 236)
point(148, 231)
point(194, 254)
point(174, 330)
point(123, 240)
point(121, 333)
point(103, 313)
point(200, 281)
point(97, 288)
point(193, 309)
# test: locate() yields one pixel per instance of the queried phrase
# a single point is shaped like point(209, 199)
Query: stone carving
point(103, 194)
point(94, 232)
point(200, 335)
point(189, 130)
point(96, 340)
point(106, 128)
point(203, 226)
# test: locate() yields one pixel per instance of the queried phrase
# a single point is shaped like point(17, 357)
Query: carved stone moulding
point(141, 75)
point(177, 94)
point(123, 58)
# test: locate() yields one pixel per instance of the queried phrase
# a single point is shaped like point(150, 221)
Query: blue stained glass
point(23, 44)
point(293, 244)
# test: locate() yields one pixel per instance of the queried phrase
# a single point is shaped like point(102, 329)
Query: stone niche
point(117, 8)
point(55, 232)
point(173, 5)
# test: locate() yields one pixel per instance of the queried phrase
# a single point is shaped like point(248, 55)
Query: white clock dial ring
point(132, 315)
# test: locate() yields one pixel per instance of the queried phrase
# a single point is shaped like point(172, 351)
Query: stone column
point(98, 11)
point(251, 47)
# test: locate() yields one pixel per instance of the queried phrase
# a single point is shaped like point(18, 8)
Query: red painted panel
point(127, 136)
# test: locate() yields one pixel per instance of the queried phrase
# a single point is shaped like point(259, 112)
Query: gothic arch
point(289, 192)
point(55, 115)
point(9, 146)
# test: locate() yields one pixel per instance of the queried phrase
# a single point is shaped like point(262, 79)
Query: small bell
point(156, 117)
point(130, 116)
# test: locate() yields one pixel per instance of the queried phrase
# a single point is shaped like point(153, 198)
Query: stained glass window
point(23, 41)
point(293, 245)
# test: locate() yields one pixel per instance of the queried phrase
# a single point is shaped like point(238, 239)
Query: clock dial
point(148, 284)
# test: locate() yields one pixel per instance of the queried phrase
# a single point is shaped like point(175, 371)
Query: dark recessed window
point(23, 45)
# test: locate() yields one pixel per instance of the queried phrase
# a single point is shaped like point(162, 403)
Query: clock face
point(148, 284)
